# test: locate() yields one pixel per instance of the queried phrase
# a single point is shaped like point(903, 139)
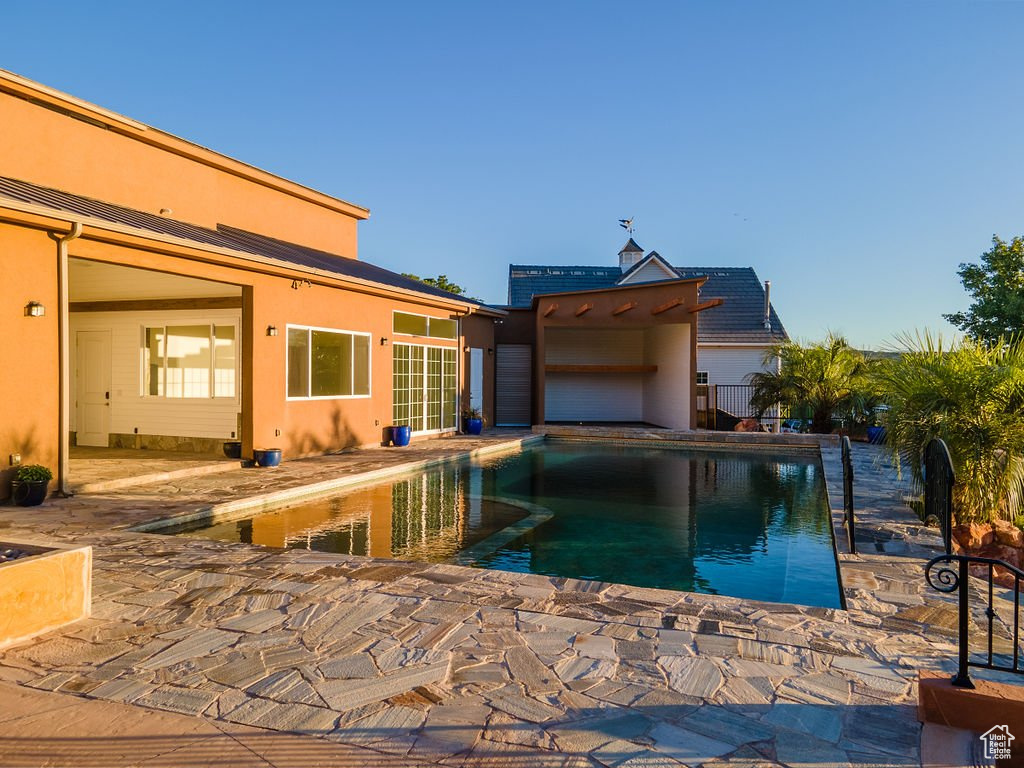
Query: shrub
point(28, 473)
point(971, 396)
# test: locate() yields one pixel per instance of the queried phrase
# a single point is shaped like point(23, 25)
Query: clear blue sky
point(853, 153)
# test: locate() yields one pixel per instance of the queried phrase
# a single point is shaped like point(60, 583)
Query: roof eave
point(46, 214)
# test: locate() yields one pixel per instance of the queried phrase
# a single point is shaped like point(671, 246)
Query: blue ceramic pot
point(473, 426)
point(876, 435)
point(233, 449)
point(267, 457)
point(400, 435)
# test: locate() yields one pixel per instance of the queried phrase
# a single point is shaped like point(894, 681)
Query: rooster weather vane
point(627, 224)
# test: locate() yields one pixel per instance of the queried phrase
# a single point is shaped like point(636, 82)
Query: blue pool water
point(745, 524)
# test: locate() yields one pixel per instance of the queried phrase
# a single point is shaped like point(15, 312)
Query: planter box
point(46, 590)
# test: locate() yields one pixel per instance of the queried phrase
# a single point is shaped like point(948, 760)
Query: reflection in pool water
point(746, 524)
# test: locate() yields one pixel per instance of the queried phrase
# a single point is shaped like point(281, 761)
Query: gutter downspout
point(65, 354)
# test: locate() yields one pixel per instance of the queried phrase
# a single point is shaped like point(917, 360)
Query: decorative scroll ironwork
point(848, 519)
point(948, 579)
point(939, 479)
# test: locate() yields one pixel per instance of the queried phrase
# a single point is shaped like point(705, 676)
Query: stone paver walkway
point(444, 665)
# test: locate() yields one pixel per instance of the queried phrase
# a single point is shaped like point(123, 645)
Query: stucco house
point(730, 340)
point(159, 294)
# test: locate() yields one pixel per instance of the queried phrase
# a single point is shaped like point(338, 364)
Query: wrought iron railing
point(848, 519)
point(947, 579)
point(939, 479)
point(722, 406)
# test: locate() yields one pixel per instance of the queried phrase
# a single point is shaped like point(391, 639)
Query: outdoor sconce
point(271, 330)
point(466, 348)
point(383, 341)
point(34, 309)
point(490, 350)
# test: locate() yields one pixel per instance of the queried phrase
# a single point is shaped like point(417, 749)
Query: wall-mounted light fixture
point(466, 348)
point(296, 284)
point(34, 309)
point(271, 330)
point(383, 341)
point(490, 350)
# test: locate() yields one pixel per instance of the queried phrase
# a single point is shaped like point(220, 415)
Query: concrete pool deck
point(358, 661)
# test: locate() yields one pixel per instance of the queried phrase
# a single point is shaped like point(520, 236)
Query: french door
point(424, 387)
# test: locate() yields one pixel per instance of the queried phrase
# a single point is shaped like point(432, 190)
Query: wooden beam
point(584, 308)
point(552, 368)
point(624, 308)
point(552, 308)
point(706, 305)
point(667, 306)
point(144, 305)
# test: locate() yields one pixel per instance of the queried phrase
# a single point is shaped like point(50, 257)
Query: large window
point(424, 387)
point(324, 363)
point(189, 361)
point(422, 325)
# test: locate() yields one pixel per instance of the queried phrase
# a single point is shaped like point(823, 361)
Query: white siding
point(152, 415)
point(729, 365)
point(666, 394)
point(649, 272)
point(593, 396)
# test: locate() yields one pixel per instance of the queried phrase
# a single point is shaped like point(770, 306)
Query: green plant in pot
point(472, 421)
point(30, 483)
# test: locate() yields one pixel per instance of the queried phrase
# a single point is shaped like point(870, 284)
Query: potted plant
point(30, 484)
point(472, 421)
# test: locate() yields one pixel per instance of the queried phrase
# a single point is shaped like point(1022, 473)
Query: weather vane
point(627, 224)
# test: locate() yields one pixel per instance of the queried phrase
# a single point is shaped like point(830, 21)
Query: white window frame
point(454, 340)
point(212, 325)
point(697, 378)
point(309, 364)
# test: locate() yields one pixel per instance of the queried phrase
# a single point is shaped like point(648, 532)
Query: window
point(424, 387)
point(702, 377)
point(421, 325)
point(325, 363)
point(189, 361)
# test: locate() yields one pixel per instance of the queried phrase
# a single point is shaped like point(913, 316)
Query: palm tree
point(972, 396)
point(824, 378)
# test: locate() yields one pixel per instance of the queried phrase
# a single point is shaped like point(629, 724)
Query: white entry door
point(476, 379)
point(93, 413)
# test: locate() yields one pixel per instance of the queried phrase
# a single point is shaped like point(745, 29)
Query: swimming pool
point(742, 523)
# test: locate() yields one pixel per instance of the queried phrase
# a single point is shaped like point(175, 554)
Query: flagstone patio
point(398, 663)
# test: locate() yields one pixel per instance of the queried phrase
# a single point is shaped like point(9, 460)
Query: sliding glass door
point(424, 387)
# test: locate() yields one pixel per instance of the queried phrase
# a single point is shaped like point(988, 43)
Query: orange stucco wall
point(479, 332)
point(29, 393)
point(48, 148)
point(117, 161)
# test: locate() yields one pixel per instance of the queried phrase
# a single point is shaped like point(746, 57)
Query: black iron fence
point(723, 406)
point(848, 519)
point(939, 479)
point(952, 573)
point(1005, 657)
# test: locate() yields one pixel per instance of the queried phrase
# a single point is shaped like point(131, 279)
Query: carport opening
point(155, 368)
